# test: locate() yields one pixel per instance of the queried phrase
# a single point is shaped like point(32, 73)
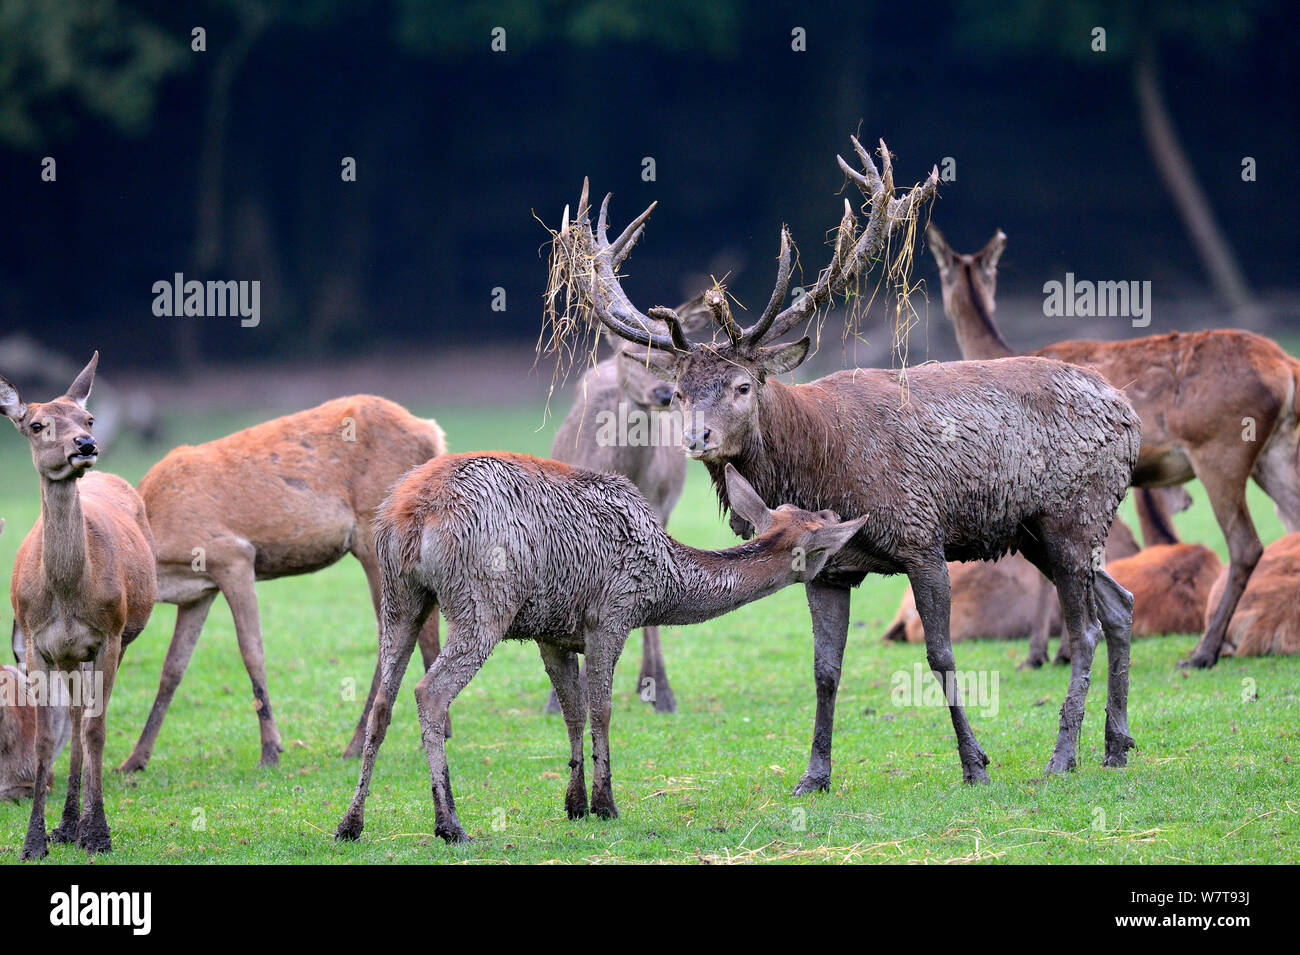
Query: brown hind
point(1268, 615)
point(1222, 406)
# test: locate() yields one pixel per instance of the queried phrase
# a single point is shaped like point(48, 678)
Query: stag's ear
point(988, 256)
point(778, 359)
point(660, 364)
point(744, 500)
point(79, 390)
point(11, 403)
point(939, 247)
point(834, 536)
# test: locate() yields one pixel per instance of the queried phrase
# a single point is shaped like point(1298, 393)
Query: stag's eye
point(743, 389)
point(37, 427)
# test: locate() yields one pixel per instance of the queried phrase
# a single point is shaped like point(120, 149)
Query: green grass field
point(1213, 778)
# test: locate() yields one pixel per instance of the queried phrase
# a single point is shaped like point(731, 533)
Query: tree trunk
point(1180, 179)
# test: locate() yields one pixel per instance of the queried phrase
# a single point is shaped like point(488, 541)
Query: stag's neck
point(63, 551)
point(978, 337)
point(709, 583)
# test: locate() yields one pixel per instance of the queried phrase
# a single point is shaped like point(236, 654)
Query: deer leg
point(396, 641)
point(930, 587)
point(237, 581)
point(68, 827)
point(466, 650)
point(1115, 606)
point(603, 649)
point(36, 844)
point(189, 624)
point(566, 680)
point(1043, 632)
point(1228, 497)
point(1083, 630)
point(830, 621)
point(654, 675)
point(93, 834)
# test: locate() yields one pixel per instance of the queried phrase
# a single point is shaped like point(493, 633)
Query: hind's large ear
point(989, 255)
point(11, 403)
point(834, 536)
point(778, 359)
point(939, 247)
point(744, 500)
point(694, 315)
point(660, 364)
point(79, 390)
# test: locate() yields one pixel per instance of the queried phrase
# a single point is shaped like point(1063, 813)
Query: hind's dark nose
point(662, 395)
point(85, 446)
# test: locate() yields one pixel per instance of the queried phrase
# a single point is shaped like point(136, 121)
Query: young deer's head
point(639, 381)
point(719, 385)
point(59, 431)
point(809, 537)
point(970, 282)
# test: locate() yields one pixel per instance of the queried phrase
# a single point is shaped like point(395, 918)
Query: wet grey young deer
point(961, 461)
point(512, 547)
point(644, 445)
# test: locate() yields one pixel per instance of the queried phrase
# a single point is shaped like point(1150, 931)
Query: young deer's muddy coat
point(512, 547)
point(966, 461)
point(622, 386)
point(290, 496)
point(1222, 406)
point(83, 586)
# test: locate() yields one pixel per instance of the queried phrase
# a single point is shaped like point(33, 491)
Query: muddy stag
point(83, 587)
point(512, 547)
point(289, 496)
point(621, 388)
point(1039, 457)
point(1222, 406)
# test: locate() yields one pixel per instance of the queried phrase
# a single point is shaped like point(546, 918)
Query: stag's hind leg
point(567, 682)
point(930, 586)
point(1115, 606)
point(1083, 630)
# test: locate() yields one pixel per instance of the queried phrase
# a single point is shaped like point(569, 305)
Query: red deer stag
point(83, 586)
point(512, 547)
point(622, 391)
point(290, 496)
point(980, 458)
point(1222, 406)
point(1268, 616)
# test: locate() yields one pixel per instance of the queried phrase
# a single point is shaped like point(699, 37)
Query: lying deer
point(1222, 406)
point(979, 459)
point(512, 547)
point(290, 496)
point(83, 586)
point(1267, 619)
point(622, 387)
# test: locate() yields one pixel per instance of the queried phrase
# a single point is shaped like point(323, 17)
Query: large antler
point(851, 255)
point(598, 286)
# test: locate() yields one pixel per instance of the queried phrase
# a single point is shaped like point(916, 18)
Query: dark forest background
point(225, 164)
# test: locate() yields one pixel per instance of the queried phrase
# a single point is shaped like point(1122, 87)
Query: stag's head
point(59, 431)
point(719, 385)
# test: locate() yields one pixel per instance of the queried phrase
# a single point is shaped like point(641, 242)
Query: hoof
point(665, 701)
point(551, 707)
point(270, 756)
point(1059, 764)
point(349, 829)
point(451, 834)
point(602, 806)
point(133, 764)
point(1031, 663)
point(66, 833)
point(974, 773)
point(812, 784)
point(1117, 751)
point(93, 835)
point(1198, 661)
point(33, 849)
point(575, 805)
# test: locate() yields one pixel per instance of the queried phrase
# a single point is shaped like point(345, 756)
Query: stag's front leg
point(69, 825)
point(466, 650)
point(930, 586)
point(566, 680)
point(830, 621)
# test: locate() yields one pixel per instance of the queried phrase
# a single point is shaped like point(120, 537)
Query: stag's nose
point(85, 446)
point(662, 395)
point(696, 441)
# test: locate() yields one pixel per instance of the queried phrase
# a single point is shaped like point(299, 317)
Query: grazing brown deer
point(1267, 619)
point(622, 390)
point(289, 496)
point(1222, 406)
point(964, 461)
point(512, 547)
point(83, 586)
